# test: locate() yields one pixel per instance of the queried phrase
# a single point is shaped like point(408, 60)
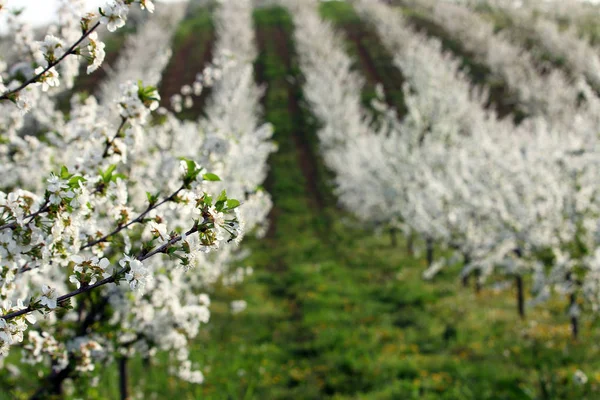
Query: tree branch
point(139, 219)
point(7, 95)
point(45, 207)
point(84, 289)
point(111, 141)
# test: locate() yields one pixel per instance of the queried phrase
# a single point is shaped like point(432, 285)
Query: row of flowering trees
point(547, 41)
point(114, 219)
point(578, 15)
point(518, 199)
point(510, 200)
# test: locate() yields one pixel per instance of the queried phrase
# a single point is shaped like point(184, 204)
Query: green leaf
point(117, 176)
point(150, 197)
point(64, 173)
point(191, 166)
point(211, 177)
point(232, 203)
point(107, 175)
point(74, 181)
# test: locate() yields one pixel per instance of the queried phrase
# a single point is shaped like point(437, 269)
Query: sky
point(40, 12)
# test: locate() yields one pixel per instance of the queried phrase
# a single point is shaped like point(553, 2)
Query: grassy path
point(323, 319)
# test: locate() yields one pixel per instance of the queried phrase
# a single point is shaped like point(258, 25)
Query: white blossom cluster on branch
point(118, 191)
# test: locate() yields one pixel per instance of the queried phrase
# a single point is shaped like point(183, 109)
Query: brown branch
point(7, 95)
point(139, 219)
point(84, 289)
point(104, 238)
point(45, 207)
point(111, 141)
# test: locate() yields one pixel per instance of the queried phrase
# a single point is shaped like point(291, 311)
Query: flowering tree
point(97, 252)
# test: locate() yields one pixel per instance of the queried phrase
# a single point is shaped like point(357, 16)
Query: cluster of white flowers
point(11, 332)
point(89, 270)
point(96, 52)
point(114, 15)
point(135, 108)
point(238, 306)
point(41, 345)
point(51, 49)
point(127, 193)
point(551, 93)
point(577, 14)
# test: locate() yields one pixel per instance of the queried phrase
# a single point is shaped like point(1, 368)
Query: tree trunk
point(574, 319)
point(393, 237)
point(520, 296)
point(477, 281)
point(53, 385)
point(410, 244)
point(465, 278)
point(123, 384)
point(572, 303)
point(429, 250)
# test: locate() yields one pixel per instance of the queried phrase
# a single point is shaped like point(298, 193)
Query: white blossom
point(138, 275)
point(49, 78)
point(96, 52)
point(51, 49)
point(49, 297)
point(237, 306)
point(579, 377)
point(114, 15)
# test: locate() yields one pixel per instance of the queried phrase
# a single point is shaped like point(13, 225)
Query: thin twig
point(111, 141)
point(45, 207)
point(84, 289)
point(7, 95)
point(139, 219)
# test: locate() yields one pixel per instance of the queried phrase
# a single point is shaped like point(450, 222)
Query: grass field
point(336, 311)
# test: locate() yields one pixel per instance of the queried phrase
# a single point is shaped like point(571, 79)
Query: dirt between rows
point(187, 60)
point(360, 34)
point(307, 159)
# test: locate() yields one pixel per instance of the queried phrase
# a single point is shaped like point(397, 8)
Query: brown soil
point(307, 159)
point(379, 67)
point(188, 60)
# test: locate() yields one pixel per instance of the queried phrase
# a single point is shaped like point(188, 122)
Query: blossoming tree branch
point(105, 210)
